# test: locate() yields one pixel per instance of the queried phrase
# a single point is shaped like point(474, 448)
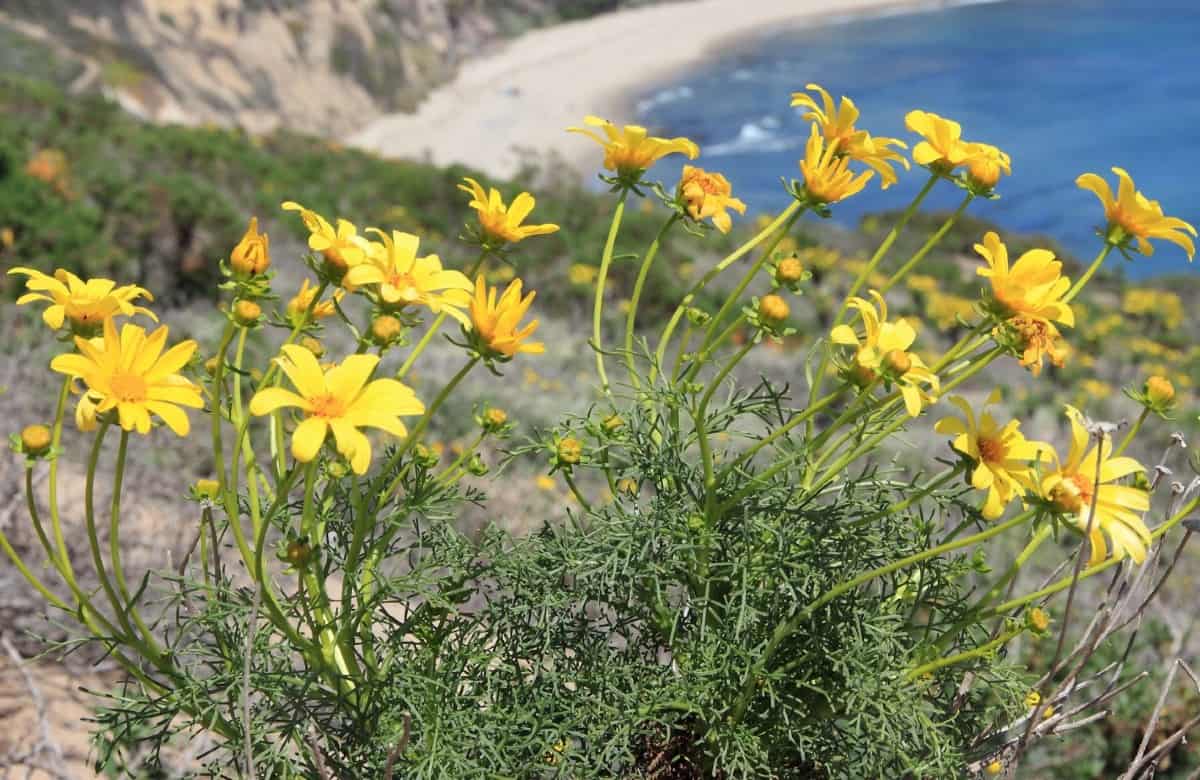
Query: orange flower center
point(1073, 494)
point(128, 388)
point(327, 406)
point(406, 286)
point(991, 450)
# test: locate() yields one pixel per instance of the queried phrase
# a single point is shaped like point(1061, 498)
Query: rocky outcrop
point(321, 66)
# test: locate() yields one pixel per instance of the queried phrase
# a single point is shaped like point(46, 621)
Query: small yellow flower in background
point(1038, 621)
point(86, 305)
point(129, 372)
point(883, 352)
point(340, 246)
point(545, 483)
point(943, 147)
point(631, 150)
point(495, 323)
point(707, 196)
point(836, 124)
point(1162, 305)
point(1033, 699)
point(985, 164)
point(1034, 285)
point(407, 280)
point(1133, 217)
point(582, 274)
point(252, 255)
point(1003, 457)
point(1048, 713)
point(1072, 488)
point(827, 176)
point(501, 222)
point(995, 768)
point(303, 299)
point(947, 311)
point(341, 399)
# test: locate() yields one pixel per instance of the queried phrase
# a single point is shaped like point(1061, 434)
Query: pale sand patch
point(527, 93)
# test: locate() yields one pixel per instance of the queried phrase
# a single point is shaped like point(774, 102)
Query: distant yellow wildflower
point(85, 304)
point(836, 124)
point(340, 246)
point(503, 223)
point(407, 280)
point(1001, 454)
point(943, 148)
point(341, 399)
point(299, 304)
point(827, 176)
point(1073, 488)
point(707, 196)
point(631, 150)
point(129, 372)
point(1133, 217)
point(1034, 285)
point(496, 323)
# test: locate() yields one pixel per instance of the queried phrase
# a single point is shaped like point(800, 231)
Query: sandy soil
point(525, 94)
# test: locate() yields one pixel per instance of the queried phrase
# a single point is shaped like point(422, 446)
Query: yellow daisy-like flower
point(303, 299)
point(707, 196)
point(85, 304)
point(340, 246)
point(836, 124)
point(501, 222)
point(631, 150)
point(1073, 488)
point(1132, 216)
point(130, 372)
point(985, 164)
point(943, 147)
point(883, 353)
point(1034, 285)
point(1002, 454)
point(342, 399)
point(407, 280)
point(496, 323)
point(827, 175)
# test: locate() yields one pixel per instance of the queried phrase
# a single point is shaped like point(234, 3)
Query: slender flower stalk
point(601, 281)
point(635, 299)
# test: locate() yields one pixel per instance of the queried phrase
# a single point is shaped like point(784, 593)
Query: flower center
point(128, 388)
point(991, 450)
point(406, 286)
point(328, 406)
point(1072, 494)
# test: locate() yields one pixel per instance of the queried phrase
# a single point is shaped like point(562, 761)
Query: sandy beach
point(525, 94)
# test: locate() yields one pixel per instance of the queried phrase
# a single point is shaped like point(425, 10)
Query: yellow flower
point(86, 304)
point(1035, 338)
point(495, 322)
point(341, 246)
point(985, 164)
point(883, 352)
point(406, 280)
point(631, 150)
point(1073, 488)
point(1002, 454)
point(708, 195)
point(340, 399)
point(837, 126)
point(827, 176)
point(252, 254)
point(1034, 285)
point(1133, 216)
point(501, 222)
point(1033, 699)
point(303, 299)
point(130, 372)
point(582, 274)
point(943, 147)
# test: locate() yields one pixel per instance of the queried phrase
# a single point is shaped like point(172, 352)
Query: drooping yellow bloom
point(85, 304)
point(407, 280)
point(303, 299)
point(130, 372)
point(827, 176)
point(496, 323)
point(631, 150)
point(707, 196)
point(1035, 338)
point(985, 163)
point(883, 353)
point(501, 222)
point(1132, 216)
point(340, 399)
point(836, 124)
point(339, 245)
point(1034, 285)
point(943, 147)
point(1074, 487)
point(252, 255)
point(1002, 454)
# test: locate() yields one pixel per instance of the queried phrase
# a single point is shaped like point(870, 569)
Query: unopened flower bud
point(569, 451)
point(35, 440)
point(995, 768)
point(207, 488)
point(476, 466)
point(789, 271)
point(337, 469)
point(1159, 390)
point(493, 419)
point(299, 553)
point(628, 486)
point(386, 330)
point(252, 254)
point(897, 362)
point(210, 366)
point(312, 345)
point(1038, 620)
point(246, 313)
point(773, 308)
point(698, 317)
point(612, 422)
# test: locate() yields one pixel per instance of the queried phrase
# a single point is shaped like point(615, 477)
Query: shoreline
point(520, 99)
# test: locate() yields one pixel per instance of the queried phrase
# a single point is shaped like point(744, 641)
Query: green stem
point(20, 563)
point(966, 655)
point(1088, 274)
point(930, 243)
point(114, 538)
point(1133, 431)
point(782, 430)
point(583, 502)
point(446, 476)
point(638, 285)
point(55, 520)
point(601, 281)
point(930, 486)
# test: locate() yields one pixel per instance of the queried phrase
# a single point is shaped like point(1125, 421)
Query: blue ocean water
point(1064, 86)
